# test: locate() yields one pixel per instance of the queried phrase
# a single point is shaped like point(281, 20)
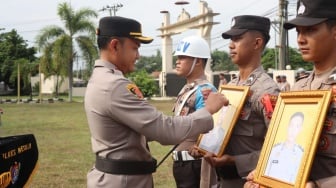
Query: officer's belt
point(125, 167)
point(182, 156)
point(228, 172)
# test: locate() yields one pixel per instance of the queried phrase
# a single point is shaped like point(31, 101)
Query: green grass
point(63, 140)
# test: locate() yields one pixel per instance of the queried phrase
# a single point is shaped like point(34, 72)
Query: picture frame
point(292, 139)
point(216, 140)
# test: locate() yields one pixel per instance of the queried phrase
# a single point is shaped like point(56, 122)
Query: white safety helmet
point(193, 46)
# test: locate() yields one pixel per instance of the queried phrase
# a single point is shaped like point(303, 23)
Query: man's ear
point(258, 42)
point(114, 45)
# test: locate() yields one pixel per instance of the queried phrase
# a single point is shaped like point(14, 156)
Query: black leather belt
point(125, 167)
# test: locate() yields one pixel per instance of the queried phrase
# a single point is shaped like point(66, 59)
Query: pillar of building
point(203, 22)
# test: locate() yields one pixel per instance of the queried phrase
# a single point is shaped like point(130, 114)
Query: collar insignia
point(332, 77)
point(251, 79)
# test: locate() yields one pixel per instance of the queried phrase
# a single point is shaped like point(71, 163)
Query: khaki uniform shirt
point(324, 164)
point(121, 122)
point(249, 132)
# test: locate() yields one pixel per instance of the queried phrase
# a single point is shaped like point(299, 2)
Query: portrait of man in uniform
point(286, 156)
point(215, 140)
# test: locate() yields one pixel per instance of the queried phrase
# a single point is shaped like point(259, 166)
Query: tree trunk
point(70, 73)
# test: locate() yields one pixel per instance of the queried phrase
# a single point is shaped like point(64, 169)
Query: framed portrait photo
point(224, 121)
point(292, 138)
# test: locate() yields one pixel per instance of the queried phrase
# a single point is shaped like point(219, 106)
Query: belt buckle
point(175, 156)
point(182, 156)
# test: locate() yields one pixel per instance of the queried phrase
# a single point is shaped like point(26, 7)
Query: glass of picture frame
point(292, 138)
point(216, 140)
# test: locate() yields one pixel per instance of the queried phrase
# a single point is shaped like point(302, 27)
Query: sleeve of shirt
point(139, 115)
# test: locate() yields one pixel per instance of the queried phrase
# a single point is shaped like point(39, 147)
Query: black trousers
point(187, 174)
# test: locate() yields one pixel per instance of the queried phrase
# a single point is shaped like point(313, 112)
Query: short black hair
point(331, 23)
point(204, 61)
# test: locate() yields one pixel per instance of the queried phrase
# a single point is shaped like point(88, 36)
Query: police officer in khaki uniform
point(316, 27)
point(192, 54)
point(249, 34)
point(121, 121)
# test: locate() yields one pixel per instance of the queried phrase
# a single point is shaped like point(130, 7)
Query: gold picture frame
point(292, 138)
point(216, 140)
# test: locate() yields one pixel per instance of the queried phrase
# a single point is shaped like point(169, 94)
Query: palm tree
point(58, 44)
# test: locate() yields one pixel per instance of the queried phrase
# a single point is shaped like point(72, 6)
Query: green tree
point(25, 69)
point(268, 59)
point(221, 61)
point(151, 63)
point(295, 60)
point(145, 82)
point(14, 50)
point(58, 44)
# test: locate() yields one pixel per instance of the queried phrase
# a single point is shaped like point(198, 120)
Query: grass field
point(63, 140)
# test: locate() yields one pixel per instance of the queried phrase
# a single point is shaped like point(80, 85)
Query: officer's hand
point(249, 181)
point(250, 176)
point(311, 184)
point(218, 161)
point(193, 151)
point(215, 102)
point(251, 184)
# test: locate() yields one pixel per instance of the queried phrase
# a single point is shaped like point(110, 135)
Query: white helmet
point(193, 46)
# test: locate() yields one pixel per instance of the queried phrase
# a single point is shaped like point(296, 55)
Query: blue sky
point(29, 17)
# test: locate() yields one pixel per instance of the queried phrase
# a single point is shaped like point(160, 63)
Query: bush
point(145, 82)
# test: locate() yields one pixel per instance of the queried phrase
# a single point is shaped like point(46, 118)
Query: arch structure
point(203, 22)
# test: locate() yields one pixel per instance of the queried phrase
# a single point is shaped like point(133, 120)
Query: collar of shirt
point(329, 79)
point(251, 78)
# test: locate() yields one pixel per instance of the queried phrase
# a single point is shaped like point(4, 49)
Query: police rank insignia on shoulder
point(135, 90)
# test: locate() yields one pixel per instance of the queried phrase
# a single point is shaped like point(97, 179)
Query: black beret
point(312, 12)
point(243, 23)
point(116, 26)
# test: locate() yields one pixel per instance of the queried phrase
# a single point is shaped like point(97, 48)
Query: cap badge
point(301, 8)
point(233, 22)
